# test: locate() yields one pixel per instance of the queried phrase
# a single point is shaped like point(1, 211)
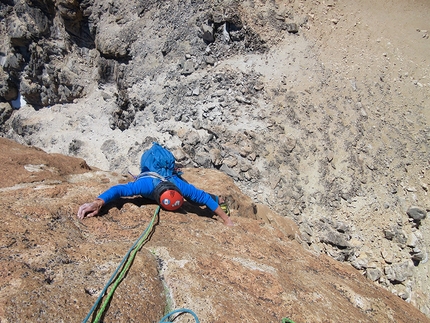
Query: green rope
point(287, 320)
point(129, 257)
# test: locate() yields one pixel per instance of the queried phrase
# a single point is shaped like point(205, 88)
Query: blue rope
point(181, 310)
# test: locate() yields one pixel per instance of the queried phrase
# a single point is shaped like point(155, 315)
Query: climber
point(145, 187)
point(159, 181)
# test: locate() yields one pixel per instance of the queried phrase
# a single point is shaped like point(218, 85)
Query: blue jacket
point(145, 186)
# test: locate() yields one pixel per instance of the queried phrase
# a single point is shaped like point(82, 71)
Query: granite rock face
point(54, 266)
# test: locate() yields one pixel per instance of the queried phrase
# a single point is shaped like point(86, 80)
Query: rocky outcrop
point(49, 48)
point(43, 49)
point(53, 266)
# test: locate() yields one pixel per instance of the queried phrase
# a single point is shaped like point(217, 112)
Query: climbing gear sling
point(181, 310)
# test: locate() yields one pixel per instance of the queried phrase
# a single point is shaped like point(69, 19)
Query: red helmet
point(168, 196)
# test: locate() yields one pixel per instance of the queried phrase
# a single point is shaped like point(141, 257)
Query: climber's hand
point(88, 210)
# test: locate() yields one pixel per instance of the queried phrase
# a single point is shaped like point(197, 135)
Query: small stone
point(196, 91)
point(252, 156)
point(404, 293)
point(334, 238)
point(360, 263)
point(289, 144)
point(280, 16)
point(399, 272)
point(230, 162)
point(416, 213)
point(208, 33)
point(418, 255)
point(210, 60)
point(373, 274)
point(241, 99)
point(292, 28)
point(245, 151)
point(259, 86)
point(230, 172)
point(412, 240)
point(188, 68)
point(389, 235)
point(388, 256)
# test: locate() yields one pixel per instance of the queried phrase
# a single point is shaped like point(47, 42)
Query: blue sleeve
point(143, 186)
point(193, 194)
